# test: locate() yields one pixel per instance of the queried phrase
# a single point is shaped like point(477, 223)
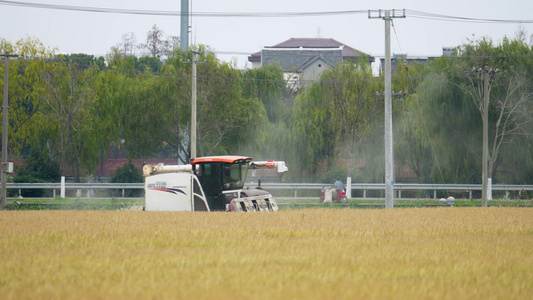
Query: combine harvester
point(213, 183)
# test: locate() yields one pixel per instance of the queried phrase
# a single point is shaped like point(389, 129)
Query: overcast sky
point(95, 33)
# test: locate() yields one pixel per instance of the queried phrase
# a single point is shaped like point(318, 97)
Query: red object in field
point(338, 193)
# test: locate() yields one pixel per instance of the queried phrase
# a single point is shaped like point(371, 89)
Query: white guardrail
point(291, 190)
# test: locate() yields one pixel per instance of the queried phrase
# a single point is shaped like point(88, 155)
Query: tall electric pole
point(387, 16)
point(486, 189)
point(193, 105)
point(194, 124)
point(485, 156)
point(184, 25)
point(5, 125)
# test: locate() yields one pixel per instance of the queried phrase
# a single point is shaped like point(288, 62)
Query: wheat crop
point(419, 253)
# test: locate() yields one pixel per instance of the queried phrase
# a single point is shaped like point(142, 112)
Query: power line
point(439, 17)
point(410, 13)
point(178, 13)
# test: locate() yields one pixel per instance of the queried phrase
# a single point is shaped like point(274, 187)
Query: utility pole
point(184, 25)
point(387, 16)
point(194, 63)
point(485, 155)
point(5, 124)
point(486, 181)
point(193, 106)
point(184, 45)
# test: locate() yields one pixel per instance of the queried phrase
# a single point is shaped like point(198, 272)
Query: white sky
point(96, 33)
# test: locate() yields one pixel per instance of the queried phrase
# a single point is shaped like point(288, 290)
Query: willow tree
point(69, 98)
point(25, 102)
point(452, 98)
point(411, 144)
point(221, 108)
point(333, 116)
point(269, 140)
point(510, 90)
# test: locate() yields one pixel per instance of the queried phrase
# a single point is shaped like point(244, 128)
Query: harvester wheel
point(344, 200)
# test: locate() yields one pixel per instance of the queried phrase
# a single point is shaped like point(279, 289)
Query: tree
point(411, 146)
point(148, 64)
point(452, 97)
point(121, 63)
point(69, 97)
point(24, 91)
point(157, 45)
point(37, 168)
point(127, 173)
point(128, 44)
point(333, 116)
point(221, 108)
point(266, 84)
point(144, 106)
point(265, 139)
point(84, 61)
point(171, 43)
point(155, 42)
point(512, 92)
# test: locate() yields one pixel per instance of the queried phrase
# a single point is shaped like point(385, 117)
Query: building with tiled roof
point(304, 59)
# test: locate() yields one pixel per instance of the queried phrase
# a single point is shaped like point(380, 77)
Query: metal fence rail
point(399, 188)
point(291, 190)
point(78, 187)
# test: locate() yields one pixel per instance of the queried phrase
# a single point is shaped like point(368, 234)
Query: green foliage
point(143, 104)
point(25, 103)
point(148, 64)
point(36, 193)
point(83, 61)
point(225, 117)
point(333, 117)
point(443, 125)
point(69, 99)
point(37, 168)
point(127, 173)
point(266, 84)
point(82, 110)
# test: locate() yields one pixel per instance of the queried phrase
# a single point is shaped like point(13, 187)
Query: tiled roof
point(347, 51)
point(308, 43)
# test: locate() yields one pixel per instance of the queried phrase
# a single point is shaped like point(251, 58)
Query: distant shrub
point(36, 168)
point(127, 173)
point(37, 193)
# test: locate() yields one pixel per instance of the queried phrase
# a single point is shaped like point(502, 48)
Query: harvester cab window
point(234, 175)
point(211, 183)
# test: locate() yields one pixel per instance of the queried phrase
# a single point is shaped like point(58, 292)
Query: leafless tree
point(128, 44)
point(522, 35)
point(155, 42)
point(171, 43)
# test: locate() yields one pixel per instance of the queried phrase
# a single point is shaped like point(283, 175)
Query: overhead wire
point(409, 12)
point(178, 13)
point(440, 17)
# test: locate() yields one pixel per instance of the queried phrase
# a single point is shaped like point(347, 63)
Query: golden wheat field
point(418, 253)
